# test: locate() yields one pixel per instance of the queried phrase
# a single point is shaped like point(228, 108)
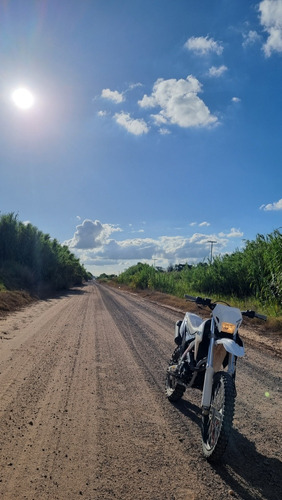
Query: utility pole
point(212, 242)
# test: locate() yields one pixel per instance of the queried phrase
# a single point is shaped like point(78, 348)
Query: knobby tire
point(174, 390)
point(217, 425)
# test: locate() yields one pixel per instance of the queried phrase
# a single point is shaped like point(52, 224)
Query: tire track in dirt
point(46, 428)
point(83, 412)
point(250, 482)
point(141, 458)
point(151, 353)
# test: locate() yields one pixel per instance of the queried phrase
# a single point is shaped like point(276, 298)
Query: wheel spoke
point(216, 417)
point(218, 423)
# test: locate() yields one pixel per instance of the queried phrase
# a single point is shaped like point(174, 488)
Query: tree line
point(255, 271)
point(30, 259)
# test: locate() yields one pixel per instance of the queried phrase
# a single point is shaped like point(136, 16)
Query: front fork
point(207, 389)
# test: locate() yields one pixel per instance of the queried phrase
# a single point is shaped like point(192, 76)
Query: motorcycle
point(205, 358)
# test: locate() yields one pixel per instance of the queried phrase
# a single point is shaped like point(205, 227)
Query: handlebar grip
point(190, 297)
point(261, 316)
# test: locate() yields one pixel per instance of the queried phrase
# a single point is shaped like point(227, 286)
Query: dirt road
point(83, 412)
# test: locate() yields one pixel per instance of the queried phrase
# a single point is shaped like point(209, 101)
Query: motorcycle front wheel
point(217, 425)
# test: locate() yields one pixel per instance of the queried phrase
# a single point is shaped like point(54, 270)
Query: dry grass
point(11, 301)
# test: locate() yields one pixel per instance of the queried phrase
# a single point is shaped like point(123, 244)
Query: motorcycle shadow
point(248, 473)
point(242, 464)
point(189, 410)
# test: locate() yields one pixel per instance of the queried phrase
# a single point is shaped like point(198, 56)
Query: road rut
point(84, 415)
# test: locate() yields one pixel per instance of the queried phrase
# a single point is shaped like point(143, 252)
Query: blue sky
point(155, 128)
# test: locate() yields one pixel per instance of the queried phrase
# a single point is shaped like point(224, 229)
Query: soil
point(84, 414)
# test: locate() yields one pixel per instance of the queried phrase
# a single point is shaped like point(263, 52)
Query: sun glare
point(23, 98)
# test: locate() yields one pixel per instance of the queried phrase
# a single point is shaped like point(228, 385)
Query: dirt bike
point(205, 358)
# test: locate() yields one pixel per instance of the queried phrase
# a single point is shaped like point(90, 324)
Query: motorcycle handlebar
point(208, 302)
point(199, 300)
point(190, 297)
point(253, 314)
point(261, 316)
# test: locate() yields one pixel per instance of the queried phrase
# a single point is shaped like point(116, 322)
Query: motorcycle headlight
point(228, 327)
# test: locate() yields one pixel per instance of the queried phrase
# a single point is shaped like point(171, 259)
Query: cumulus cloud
point(136, 248)
point(91, 234)
point(277, 205)
point(271, 20)
point(94, 244)
point(180, 105)
point(113, 95)
point(236, 99)
point(132, 125)
point(217, 71)
point(203, 45)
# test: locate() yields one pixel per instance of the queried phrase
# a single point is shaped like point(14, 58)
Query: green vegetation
point(31, 260)
point(252, 276)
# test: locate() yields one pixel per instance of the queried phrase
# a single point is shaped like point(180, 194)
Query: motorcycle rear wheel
point(217, 425)
point(174, 390)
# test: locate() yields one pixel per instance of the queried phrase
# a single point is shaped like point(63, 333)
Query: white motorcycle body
point(225, 321)
point(205, 359)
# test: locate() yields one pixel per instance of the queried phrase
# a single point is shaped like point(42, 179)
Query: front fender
point(231, 347)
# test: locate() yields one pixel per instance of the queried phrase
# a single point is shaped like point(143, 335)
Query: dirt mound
point(11, 301)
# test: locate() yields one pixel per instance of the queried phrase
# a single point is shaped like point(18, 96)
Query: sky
point(151, 128)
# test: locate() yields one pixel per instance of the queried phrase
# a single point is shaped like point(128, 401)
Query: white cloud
point(217, 71)
point(250, 38)
point(113, 95)
point(199, 224)
point(203, 45)
point(277, 205)
point(234, 233)
point(271, 20)
point(134, 126)
point(236, 99)
point(133, 86)
point(94, 244)
point(102, 113)
point(91, 234)
point(179, 103)
point(158, 119)
point(164, 131)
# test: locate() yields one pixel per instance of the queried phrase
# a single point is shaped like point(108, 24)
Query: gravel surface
point(83, 410)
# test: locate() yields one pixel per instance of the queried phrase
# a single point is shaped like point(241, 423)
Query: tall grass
point(29, 257)
point(248, 278)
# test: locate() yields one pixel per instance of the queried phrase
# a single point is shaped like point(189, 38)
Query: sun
point(23, 98)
